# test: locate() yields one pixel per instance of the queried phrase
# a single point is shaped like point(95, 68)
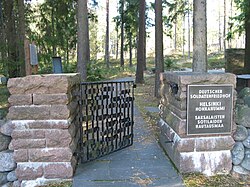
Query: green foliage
point(175, 9)
point(4, 94)
point(94, 72)
point(168, 62)
point(131, 22)
point(237, 22)
point(54, 30)
point(216, 61)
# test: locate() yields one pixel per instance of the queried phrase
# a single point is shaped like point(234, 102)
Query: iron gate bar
point(106, 118)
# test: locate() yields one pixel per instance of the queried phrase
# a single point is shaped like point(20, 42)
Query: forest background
point(113, 34)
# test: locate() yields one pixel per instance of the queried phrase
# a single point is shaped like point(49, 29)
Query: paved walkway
point(140, 165)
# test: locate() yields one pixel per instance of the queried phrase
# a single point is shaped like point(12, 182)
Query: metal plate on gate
point(209, 109)
point(106, 117)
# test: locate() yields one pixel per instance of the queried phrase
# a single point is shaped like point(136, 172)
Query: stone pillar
point(43, 111)
point(207, 154)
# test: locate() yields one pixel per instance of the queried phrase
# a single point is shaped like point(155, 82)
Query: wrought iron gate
point(106, 118)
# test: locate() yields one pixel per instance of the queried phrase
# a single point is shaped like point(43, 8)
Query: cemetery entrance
point(106, 110)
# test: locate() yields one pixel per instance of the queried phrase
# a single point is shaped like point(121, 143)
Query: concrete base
point(207, 155)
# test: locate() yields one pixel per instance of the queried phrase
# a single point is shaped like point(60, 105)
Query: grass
point(197, 180)
point(62, 184)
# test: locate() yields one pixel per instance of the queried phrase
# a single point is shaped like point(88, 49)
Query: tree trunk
point(145, 52)
point(140, 57)
point(107, 35)
point(53, 30)
point(183, 36)
point(189, 35)
point(219, 26)
point(231, 15)
point(200, 37)
point(2, 38)
point(175, 36)
point(122, 34)
point(117, 44)
point(130, 50)
point(21, 28)
point(82, 43)
point(224, 26)
point(11, 40)
point(159, 59)
point(87, 35)
point(247, 44)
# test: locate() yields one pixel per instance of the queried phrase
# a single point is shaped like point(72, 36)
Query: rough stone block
point(29, 112)
point(185, 78)
point(186, 145)
point(73, 106)
point(246, 161)
point(57, 138)
point(50, 99)
point(6, 128)
point(59, 112)
point(43, 84)
point(179, 104)
point(29, 171)
point(180, 113)
point(25, 99)
point(16, 184)
point(28, 134)
point(242, 115)
point(4, 142)
point(12, 176)
point(216, 143)
point(7, 162)
point(170, 148)
point(21, 155)
point(50, 155)
point(3, 178)
point(58, 170)
point(43, 124)
point(40, 124)
point(176, 123)
point(28, 143)
point(241, 133)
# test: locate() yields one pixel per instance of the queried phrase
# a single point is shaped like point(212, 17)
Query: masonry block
point(43, 84)
point(57, 138)
point(28, 112)
point(50, 99)
point(28, 134)
point(58, 170)
point(28, 143)
point(15, 100)
point(29, 171)
point(21, 155)
point(50, 155)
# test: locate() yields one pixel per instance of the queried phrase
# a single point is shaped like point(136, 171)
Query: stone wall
point(207, 154)
point(241, 149)
point(7, 162)
point(43, 113)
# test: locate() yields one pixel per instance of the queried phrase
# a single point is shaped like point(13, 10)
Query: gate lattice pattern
point(106, 118)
